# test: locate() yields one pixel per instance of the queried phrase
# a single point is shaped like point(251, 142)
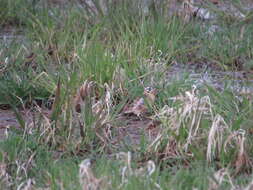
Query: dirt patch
point(239, 82)
point(8, 120)
point(132, 129)
point(9, 33)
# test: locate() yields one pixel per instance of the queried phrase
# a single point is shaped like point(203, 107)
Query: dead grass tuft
point(241, 162)
point(216, 137)
point(87, 178)
point(187, 115)
point(127, 171)
point(218, 178)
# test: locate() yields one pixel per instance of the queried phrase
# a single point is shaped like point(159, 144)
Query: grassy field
point(105, 114)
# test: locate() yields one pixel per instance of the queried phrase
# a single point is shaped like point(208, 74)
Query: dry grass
point(106, 115)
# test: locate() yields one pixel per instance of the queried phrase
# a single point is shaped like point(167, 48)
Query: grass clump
point(12, 12)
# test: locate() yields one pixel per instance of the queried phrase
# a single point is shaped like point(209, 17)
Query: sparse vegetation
point(99, 108)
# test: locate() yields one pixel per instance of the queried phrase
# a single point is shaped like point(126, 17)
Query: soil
point(9, 120)
point(132, 128)
point(240, 82)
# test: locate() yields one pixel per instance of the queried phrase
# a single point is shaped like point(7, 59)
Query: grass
point(78, 72)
